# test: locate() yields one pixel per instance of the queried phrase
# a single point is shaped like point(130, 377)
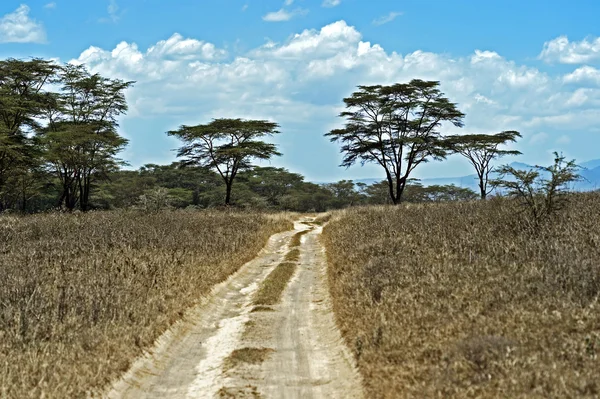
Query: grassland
point(461, 301)
point(81, 295)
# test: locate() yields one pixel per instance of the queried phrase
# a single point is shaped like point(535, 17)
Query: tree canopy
point(227, 146)
point(396, 127)
point(480, 150)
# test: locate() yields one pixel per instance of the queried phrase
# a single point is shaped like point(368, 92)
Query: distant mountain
point(590, 175)
point(593, 164)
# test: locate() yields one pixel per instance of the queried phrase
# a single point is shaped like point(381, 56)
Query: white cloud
point(301, 82)
point(50, 5)
point(190, 49)
point(565, 52)
point(244, 7)
point(584, 74)
point(331, 3)
point(17, 27)
point(326, 42)
point(284, 15)
point(386, 18)
point(564, 139)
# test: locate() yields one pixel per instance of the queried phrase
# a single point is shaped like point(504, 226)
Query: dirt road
point(292, 350)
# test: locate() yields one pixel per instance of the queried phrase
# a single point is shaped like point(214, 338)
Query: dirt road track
point(305, 358)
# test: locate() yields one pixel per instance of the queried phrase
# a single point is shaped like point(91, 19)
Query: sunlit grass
point(462, 300)
point(82, 294)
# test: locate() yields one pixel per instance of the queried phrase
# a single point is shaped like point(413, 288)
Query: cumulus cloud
point(585, 74)
point(386, 18)
point(18, 27)
point(563, 51)
point(301, 82)
point(331, 3)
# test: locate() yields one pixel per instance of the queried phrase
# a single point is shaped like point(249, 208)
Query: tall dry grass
point(82, 294)
point(461, 301)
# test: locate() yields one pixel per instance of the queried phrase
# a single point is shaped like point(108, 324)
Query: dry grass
point(262, 309)
point(249, 391)
point(457, 300)
point(321, 220)
point(292, 256)
point(274, 284)
point(83, 294)
point(296, 239)
point(246, 356)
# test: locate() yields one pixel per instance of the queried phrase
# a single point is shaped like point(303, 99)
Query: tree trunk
point(400, 185)
point(228, 193)
point(482, 188)
point(70, 198)
point(84, 193)
point(390, 180)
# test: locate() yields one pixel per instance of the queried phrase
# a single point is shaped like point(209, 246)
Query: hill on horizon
point(590, 174)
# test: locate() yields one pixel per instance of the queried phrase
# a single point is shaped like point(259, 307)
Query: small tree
point(226, 145)
point(541, 190)
point(155, 200)
point(481, 150)
point(396, 127)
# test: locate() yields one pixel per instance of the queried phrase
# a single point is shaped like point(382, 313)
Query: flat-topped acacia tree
point(227, 146)
point(480, 150)
point(396, 127)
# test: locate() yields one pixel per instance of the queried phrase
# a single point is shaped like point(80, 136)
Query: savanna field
point(458, 300)
point(465, 300)
point(83, 294)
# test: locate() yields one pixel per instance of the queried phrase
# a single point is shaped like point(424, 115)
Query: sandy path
point(307, 358)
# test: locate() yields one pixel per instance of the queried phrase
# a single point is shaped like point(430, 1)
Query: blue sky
point(532, 66)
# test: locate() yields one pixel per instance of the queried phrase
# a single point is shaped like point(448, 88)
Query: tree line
point(59, 146)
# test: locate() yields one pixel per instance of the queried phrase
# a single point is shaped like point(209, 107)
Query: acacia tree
point(227, 146)
point(480, 150)
point(395, 127)
point(81, 140)
point(22, 98)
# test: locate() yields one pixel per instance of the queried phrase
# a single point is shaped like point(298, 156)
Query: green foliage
point(81, 141)
point(480, 150)
point(541, 190)
point(396, 127)
point(227, 146)
point(22, 100)
point(415, 192)
point(60, 142)
point(66, 139)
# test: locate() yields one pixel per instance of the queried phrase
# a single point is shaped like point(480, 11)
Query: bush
point(542, 196)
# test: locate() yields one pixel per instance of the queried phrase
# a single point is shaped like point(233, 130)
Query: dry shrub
point(83, 294)
point(459, 300)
